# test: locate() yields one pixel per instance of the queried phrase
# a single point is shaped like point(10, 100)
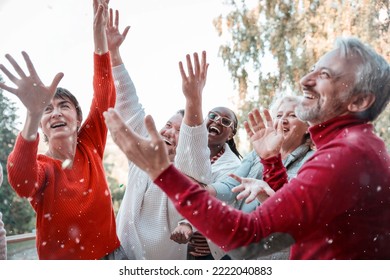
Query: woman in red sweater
point(66, 186)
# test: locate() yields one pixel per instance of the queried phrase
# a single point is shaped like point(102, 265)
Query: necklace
point(217, 156)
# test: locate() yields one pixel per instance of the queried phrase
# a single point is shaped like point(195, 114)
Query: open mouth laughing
point(213, 130)
point(57, 124)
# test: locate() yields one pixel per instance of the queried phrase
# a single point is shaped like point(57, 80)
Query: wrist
point(155, 173)
point(194, 102)
point(184, 223)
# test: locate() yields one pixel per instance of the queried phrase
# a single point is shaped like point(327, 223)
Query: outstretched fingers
point(152, 130)
point(268, 118)
point(182, 72)
point(95, 5)
point(30, 65)
point(124, 33)
point(16, 66)
point(115, 124)
point(256, 120)
point(279, 128)
point(117, 18)
point(56, 81)
point(110, 22)
point(251, 197)
point(8, 74)
point(204, 65)
point(189, 66)
point(197, 64)
point(7, 88)
point(248, 129)
point(235, 177)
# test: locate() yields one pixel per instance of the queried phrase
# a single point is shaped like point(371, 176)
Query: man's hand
point(148, 154)
point(251, 188)
point(182, 233)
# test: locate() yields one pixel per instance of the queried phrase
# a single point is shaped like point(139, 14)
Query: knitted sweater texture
point(74, 214)
point(337, 207)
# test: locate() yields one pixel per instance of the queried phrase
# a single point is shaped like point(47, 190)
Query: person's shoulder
point(359, 138)
point(229, 156)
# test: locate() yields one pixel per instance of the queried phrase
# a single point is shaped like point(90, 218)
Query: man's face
point(326, 89)
point(170, 134)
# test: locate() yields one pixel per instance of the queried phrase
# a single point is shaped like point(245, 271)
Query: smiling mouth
point(214, 130)
point(55, 125)
point(308, 95)
point(169, 143)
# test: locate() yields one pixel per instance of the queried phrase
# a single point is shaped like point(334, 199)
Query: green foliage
point(275, 43)
point(117, 190)
point(18, 216)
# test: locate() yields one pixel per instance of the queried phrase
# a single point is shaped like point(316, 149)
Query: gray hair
point(279, 100)
point(373, 75)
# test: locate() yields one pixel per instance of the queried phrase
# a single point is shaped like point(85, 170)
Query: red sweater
point(74, 215)
point(338, 206)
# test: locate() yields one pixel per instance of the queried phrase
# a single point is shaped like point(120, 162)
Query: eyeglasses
point(224, 121)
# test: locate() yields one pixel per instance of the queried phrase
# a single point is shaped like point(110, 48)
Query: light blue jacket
point(251, 167)
point(276, 246)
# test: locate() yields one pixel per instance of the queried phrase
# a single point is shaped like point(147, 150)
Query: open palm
point(251, 188)
point(114, 37)
point(34, 95)
point(266, 140)
point(194, 82)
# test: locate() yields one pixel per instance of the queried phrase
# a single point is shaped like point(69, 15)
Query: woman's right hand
point(265, 138)
point(34, 95)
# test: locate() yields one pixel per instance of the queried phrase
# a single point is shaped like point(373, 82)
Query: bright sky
point(57, 35)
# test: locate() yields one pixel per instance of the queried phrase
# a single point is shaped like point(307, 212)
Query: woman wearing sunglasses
point(222, 127)
point(206, 149)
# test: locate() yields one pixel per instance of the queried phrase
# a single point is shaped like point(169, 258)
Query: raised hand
point(251, 188)
point(34, 95)
point(100, 22)
point(148, 154)
point(114, 37)
point(182, 233)
point(266, 140)
point(100, 11)
point(192, 86)
point(194, 82)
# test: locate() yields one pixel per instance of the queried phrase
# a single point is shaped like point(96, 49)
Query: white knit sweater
point(193, 159)
point(146, 216)
point(193, 156)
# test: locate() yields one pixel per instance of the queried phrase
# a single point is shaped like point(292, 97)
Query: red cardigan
point(74, 214)
point(338, 206)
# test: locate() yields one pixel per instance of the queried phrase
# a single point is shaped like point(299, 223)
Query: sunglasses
point(224, 121)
